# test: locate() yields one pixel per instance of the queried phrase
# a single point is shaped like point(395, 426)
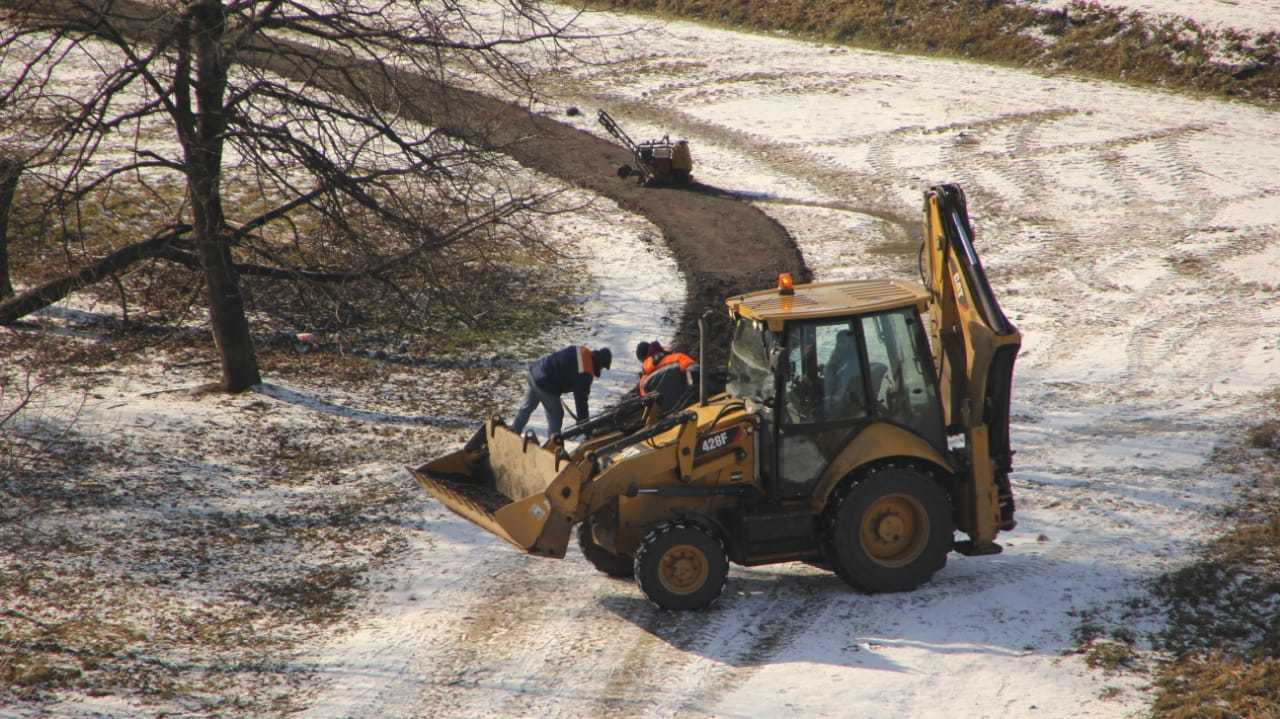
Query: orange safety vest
point(666, 359)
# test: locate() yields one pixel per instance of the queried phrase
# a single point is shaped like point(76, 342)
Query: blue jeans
point(550, 402)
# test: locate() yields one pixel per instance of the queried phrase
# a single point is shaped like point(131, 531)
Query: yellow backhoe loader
point(863, 423)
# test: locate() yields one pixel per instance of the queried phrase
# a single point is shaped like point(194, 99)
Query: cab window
point(749, 371)
point(901, 372)
point(824, 377)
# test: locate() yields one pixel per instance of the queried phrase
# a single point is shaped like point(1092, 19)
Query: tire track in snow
point(1170, 327)
point(769, 630)
point(1100, 260)
point(671, 644)
point(1022, 153)
point(1173, 330)
point(682, 663)
point(1043, 151)
point(565, 647)
point(470, 650)
point(828, 178)
point(911, 132)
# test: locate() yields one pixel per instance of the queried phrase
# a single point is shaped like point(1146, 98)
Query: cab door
point(903, 389)
point(823, 399)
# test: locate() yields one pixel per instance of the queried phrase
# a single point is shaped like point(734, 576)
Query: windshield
point(749, 373)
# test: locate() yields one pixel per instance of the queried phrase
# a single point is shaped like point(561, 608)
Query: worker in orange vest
point(668, 374)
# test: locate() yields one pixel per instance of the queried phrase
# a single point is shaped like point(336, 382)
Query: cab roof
point(827, 299)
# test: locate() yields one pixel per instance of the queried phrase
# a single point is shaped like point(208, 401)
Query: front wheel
point(681, 566)
point(891, 531)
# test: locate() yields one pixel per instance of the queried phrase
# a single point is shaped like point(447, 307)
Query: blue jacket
point(566, 370)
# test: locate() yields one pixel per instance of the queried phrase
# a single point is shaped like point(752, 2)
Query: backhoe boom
point(975, 348)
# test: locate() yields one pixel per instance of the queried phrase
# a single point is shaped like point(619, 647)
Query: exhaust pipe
point(702, 358)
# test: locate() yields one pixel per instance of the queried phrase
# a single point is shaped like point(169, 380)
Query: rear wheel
point(615, 565)
point(681, 566)
point(891, 531)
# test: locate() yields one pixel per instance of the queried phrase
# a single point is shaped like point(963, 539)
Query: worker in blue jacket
point(571, 369)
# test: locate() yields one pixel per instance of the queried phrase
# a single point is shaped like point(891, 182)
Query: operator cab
point(821, 363)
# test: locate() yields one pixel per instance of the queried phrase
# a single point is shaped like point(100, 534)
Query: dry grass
point(477, 296)
point(1100, 651)
point(1266, 436)
point(1224, 609)
point(1086, 38)
point(123, 578)
point(1218, 617)
point(158, 576)
point(1109, 655)
point(1219, 686)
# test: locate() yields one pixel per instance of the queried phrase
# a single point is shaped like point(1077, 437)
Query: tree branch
point(190, 260)
point(50, 292)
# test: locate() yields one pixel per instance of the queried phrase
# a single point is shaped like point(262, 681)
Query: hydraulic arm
point(976, 346)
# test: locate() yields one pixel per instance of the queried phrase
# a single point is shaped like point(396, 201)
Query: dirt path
point(722, 244)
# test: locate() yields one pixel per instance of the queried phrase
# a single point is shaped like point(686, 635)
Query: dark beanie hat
point(642, 351)
point(602, 359)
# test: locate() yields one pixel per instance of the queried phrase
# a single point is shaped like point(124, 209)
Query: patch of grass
point(1088, 630)
point(1101, 652)
point(496, 289)
point(1218, 685)
point(1265, 436)
point(1085, 37)
point(1109, 655)
point(319, 594)
point(1220, 614)
point(1189, 266)
point(1230, 600)
point(1224, 609)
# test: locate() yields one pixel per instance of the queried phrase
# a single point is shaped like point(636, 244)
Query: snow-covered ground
point(637, 291)
point(1131, 236)
point(1255, 16)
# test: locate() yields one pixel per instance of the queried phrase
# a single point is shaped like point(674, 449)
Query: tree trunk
point(9, 171)
point(204, 171)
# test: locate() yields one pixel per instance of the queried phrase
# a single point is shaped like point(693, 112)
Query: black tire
point(891, 531)
point(615, 565)
point(681, 566)
point(681, 177)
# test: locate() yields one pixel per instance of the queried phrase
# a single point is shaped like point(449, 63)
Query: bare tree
point(329, 125)
point(9, 171)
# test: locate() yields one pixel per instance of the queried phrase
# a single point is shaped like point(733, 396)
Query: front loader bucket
point(498, 481)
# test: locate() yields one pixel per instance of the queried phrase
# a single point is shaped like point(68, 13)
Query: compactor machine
point(657, 162)
point(864, 422)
